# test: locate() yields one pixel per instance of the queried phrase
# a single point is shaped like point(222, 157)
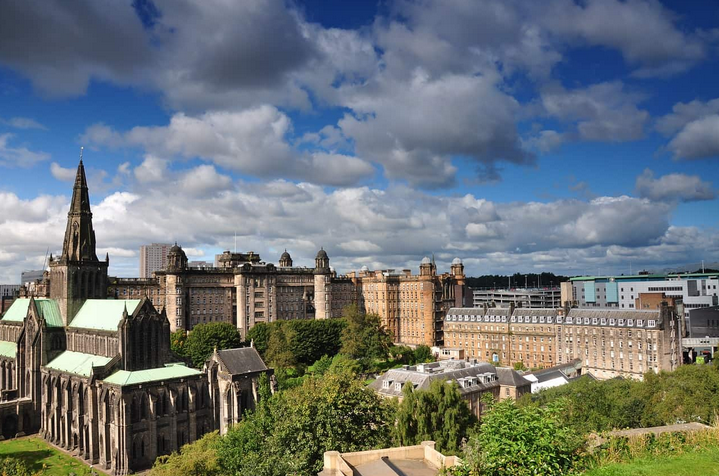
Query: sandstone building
point(96, 376)
point(244, 290)
point(610, 342)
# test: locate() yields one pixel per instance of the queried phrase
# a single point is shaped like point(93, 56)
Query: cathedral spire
point(79, 244)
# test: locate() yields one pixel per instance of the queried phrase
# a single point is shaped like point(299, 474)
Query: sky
point(576, 137)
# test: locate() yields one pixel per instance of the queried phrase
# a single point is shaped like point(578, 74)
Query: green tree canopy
point(523, 441)
point(438, 414)
point(289, 433)
point(197, 459)
point(204, 338)
point(364, 336)
point(306, 339)
point(177, 342)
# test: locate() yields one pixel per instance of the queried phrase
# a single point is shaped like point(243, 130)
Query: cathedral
point(96, 376)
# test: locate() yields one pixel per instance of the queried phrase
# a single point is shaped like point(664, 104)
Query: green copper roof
point(77, 363)
point(8, 349)
point(50, 311)
point(18, 310)
point(169, 372)
point(103, 314)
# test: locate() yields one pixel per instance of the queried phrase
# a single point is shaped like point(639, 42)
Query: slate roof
point(168, 372)
point(447, 370)
point(614, 313)
point(511, 377)
point(77, 363)
point(103, 314)
point(8, 349)
point(245, 360)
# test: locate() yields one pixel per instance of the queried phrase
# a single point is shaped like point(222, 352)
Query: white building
point(153, 258)
point(697, 290)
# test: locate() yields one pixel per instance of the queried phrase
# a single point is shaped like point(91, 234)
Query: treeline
point(289, 431)
point(688, 394)
point(517, 280)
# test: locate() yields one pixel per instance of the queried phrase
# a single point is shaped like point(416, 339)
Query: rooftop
point(48, 310)
point(244, 360)
point(103, 314)
point(418, 460)
point(77, 363)
point(8, 349)
point(169, 372)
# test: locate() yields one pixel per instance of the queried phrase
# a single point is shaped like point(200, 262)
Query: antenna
point(44, 262)
point(81, 149)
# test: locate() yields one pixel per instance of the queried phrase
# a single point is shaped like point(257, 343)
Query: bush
point(523, 441)
point(198, 459)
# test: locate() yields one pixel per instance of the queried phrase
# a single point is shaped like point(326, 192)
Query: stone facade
point(96, 376)
point(245, 290)
point(609, 342)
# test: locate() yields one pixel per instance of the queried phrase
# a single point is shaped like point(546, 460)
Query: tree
point(364, 336)
point(259, 336)
point(206, 337)
point(423, 354)
point(307, 340)
point(198, 458)
point(519, 441)
point(177, 342)
point(289, 433)
point(343, 364)
point(438, 414)
point(278, 350)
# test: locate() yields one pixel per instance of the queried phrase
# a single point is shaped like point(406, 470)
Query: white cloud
point(684, 113)
point(414, 129)
point(252, 141)
point(23, 123)
point(674, 187)
point(643, 30)
point(600, 112)
point(18, 156)
point(382, 228)
point(699, 139)
point(61, 173)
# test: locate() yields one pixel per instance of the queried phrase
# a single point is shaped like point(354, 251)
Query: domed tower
point(77, 274)
point(426, 267)
point(176, 259)
point(323, 281)
point(322, 261)
point(285, 260)
point(457, 268)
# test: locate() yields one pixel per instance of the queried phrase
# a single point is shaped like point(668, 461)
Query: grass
point(38, 454)
point(699, 463)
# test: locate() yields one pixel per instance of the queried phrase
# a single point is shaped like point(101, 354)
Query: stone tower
point(285, 260)
point(175, 297)
point(77, 274)
point(323, 281)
